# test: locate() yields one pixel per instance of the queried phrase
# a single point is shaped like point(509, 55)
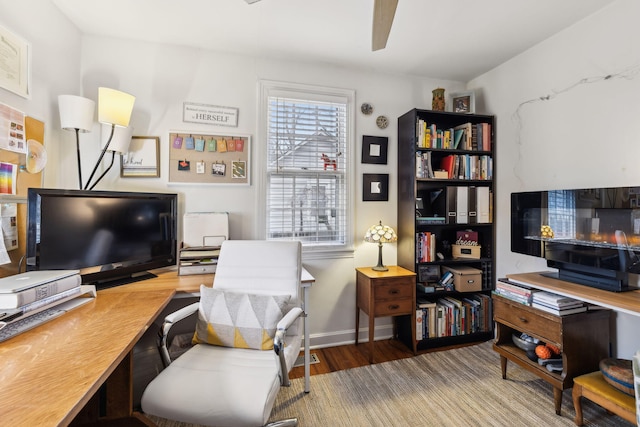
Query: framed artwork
point(143, 158)
point(463, 102)
point(374, 149)
point(209, 158)
point(15, 63)
point(375, 187)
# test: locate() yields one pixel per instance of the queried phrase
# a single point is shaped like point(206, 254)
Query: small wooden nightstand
point(385, 293)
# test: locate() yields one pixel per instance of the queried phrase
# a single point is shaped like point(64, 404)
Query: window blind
point(307, 174)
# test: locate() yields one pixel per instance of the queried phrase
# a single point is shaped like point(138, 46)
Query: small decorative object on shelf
point(380, 234)
point(437, 104)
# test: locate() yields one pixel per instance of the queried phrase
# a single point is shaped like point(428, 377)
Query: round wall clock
point(382, 122)
point(366, 108)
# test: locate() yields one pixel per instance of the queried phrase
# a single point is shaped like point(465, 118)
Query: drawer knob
point(523, 319)
point(394, 292)
point(394, 307)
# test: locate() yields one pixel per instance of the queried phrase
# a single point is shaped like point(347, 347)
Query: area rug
point(460, 387)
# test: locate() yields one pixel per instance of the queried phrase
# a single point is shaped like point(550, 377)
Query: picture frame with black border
point(463, 102)
point(375, 187)
point(374, 149)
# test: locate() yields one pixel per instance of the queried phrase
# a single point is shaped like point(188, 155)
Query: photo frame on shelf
point(143, 158)
point(374, 149)
point(463, 102)
point(375, 187)
point(209, 158)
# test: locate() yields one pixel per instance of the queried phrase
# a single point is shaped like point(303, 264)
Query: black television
point(591, 236)
point(112, 237)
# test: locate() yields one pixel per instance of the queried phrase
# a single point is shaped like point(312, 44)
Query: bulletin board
point(210, 158)
point(34, 129)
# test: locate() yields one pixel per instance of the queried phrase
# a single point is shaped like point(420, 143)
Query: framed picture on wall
point(374, 149)
point(375, 187)
point(143, 158)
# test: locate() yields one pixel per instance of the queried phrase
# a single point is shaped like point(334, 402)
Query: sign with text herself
point(210, 114)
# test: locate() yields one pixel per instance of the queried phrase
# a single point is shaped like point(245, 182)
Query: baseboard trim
point(345, 337)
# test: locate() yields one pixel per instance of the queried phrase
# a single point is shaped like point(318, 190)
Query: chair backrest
point(260, 267)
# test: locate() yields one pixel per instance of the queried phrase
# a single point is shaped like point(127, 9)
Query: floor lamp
point(114, 109)
point(76, 113)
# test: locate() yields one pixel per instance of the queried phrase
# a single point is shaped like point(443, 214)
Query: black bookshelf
point(415, 182)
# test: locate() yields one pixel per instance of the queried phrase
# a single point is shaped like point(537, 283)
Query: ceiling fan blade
point(252, 1)
point(383, 13)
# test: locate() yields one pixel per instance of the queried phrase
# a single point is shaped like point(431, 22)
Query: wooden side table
point(385, 293)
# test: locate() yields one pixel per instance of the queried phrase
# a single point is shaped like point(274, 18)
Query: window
point(307, 165)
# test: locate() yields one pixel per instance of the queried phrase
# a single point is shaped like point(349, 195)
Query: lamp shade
point(76, 112)
point(380, 234)
point(120, 140)
point(114, 107)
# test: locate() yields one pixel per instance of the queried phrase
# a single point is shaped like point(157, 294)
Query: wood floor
point(351, 356)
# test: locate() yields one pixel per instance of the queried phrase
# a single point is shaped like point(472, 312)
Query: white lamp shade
point(121, 138)
point(114, 107)
point(76, 112)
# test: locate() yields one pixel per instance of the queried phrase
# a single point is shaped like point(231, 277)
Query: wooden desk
point(48, 374)
point(385, 293)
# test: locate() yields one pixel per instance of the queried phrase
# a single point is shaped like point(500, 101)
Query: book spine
point(41, 292)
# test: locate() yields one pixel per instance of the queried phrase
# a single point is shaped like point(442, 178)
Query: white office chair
point(217, 385)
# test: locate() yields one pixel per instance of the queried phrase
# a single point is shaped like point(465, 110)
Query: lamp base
point(380, 266)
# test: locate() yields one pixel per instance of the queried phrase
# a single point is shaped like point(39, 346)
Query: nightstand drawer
point(393, 307)
point(393, 288)
point(524, 318)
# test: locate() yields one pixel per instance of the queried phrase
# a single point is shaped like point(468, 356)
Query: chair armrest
point(169, 321)
point(278, 341)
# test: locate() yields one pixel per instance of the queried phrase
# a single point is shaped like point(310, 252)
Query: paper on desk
point(7, 231)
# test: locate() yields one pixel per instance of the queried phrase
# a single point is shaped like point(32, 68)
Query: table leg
point(557, 400)
point(307, 352)
point(577, 404)
point(503, 367)
point(372, 320)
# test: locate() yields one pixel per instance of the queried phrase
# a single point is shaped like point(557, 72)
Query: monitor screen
point(111, 237)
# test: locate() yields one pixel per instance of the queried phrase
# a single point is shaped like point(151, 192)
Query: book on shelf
point(10, 297)
point(559, 312)
point(555, 300)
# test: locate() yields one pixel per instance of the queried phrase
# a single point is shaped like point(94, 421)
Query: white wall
point(584, 133)
point(567, 117)
point(55, 45)
point(162, 77)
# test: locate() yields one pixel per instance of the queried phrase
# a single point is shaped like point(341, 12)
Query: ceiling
point(445, 39)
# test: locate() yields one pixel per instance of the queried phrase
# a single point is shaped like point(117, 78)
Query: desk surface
point(626, 302)
point(49, 373)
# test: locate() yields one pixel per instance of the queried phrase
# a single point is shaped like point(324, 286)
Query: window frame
point(267, 88)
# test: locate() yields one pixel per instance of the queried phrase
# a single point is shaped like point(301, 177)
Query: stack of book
point(515, 291)
point(29, 293)
point(557, 304)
